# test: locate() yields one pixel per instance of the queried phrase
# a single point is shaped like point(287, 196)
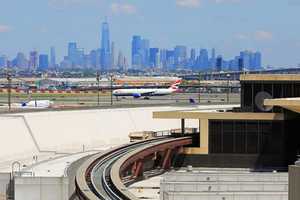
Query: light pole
point(111, 89)
point(98, 87)
point(8, 77)
point(199, 91)
point(228, 78)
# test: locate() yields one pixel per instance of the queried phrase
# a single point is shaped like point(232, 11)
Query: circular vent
point(259, 101)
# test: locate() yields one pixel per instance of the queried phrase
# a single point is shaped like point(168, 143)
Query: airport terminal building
point(261, 134)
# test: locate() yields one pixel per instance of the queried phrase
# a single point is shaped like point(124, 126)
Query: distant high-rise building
point(95, 58)
point(170, 55)
point(43, 62)
point(163, 57)
point(192, 60)
point(80, 57)
point(180, 55)
point(33, 60)
point(120, 63)
point(140, 52)
point(219, 63)
point(145, 52)
point(66, 63)
point(73, 53)
point(246, 56)
point(136, 45)
point(105, 46)
point(154, 52)
point(3, 61)
point(193, 55)
point(52, 57)
point(203, 59)
point(20, 61)
point(257, 61)
point(240, 64)
point(213, 59)
point(112, 55)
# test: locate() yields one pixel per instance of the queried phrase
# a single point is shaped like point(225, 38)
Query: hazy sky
point(271, 26)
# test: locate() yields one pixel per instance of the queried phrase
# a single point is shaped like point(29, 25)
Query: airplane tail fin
point(175, 85)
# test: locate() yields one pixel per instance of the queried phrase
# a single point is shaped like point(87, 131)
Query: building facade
point(261, 134)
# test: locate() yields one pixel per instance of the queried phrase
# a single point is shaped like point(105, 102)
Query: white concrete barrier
point(46, 188)
point(73, 131)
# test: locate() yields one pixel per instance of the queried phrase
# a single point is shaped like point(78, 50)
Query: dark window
point(228, 137)
point(246, 137)
point(240, 142)
point(252, 137)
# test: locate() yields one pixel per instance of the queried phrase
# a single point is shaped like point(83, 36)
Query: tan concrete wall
point(4, 182)
point(294, 182)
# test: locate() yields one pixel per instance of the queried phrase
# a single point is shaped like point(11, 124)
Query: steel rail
point(134, 155)
point(86, 185)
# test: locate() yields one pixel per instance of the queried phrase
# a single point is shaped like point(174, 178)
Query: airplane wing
point(147, 93)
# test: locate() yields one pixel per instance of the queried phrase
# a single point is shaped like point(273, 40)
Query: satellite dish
point(259, 101)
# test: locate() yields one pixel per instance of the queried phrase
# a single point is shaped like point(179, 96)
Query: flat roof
point(292, 104)
point(270, 77)
point(217, 115)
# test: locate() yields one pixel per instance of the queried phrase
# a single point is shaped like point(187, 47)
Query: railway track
point(99, 177)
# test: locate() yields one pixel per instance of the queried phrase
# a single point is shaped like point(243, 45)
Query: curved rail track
point(100, 177)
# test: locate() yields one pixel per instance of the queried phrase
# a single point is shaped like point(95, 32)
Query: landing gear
point(147, 98)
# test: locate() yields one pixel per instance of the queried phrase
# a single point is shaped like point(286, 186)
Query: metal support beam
point(182, 126)
point(167, 159)
point(139, 169)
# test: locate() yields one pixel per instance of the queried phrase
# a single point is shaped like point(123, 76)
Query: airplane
point(147, 92)
point(37, 104)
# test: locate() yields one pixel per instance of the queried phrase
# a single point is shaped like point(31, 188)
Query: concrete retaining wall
point(37, 188)
point(224, 185)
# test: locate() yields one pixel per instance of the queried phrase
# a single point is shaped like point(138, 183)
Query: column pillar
point(182, 126)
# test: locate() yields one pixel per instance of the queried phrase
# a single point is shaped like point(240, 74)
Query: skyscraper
point(33, 60)
point(112, 55)
point(120, 64)
point(219, 63)
point(163, 57)
point(52, 57)
point(193, 55)
point(180, 54)
point(240, 64)
point(43, 62)
point(3, 61)
point(20, 61)
point(246, 56)
point(72, 53)
point(153, 57)
point(145, 52)
point(257, 61)
point(203, 59)
point(105, 47)
point(136, 45)
point(213, 58)
point(170, 55)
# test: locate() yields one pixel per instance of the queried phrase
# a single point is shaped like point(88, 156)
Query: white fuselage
point(144, 92)
point(37, 104)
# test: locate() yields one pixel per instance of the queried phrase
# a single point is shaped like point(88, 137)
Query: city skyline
point(143, 57)
point(227, 25)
